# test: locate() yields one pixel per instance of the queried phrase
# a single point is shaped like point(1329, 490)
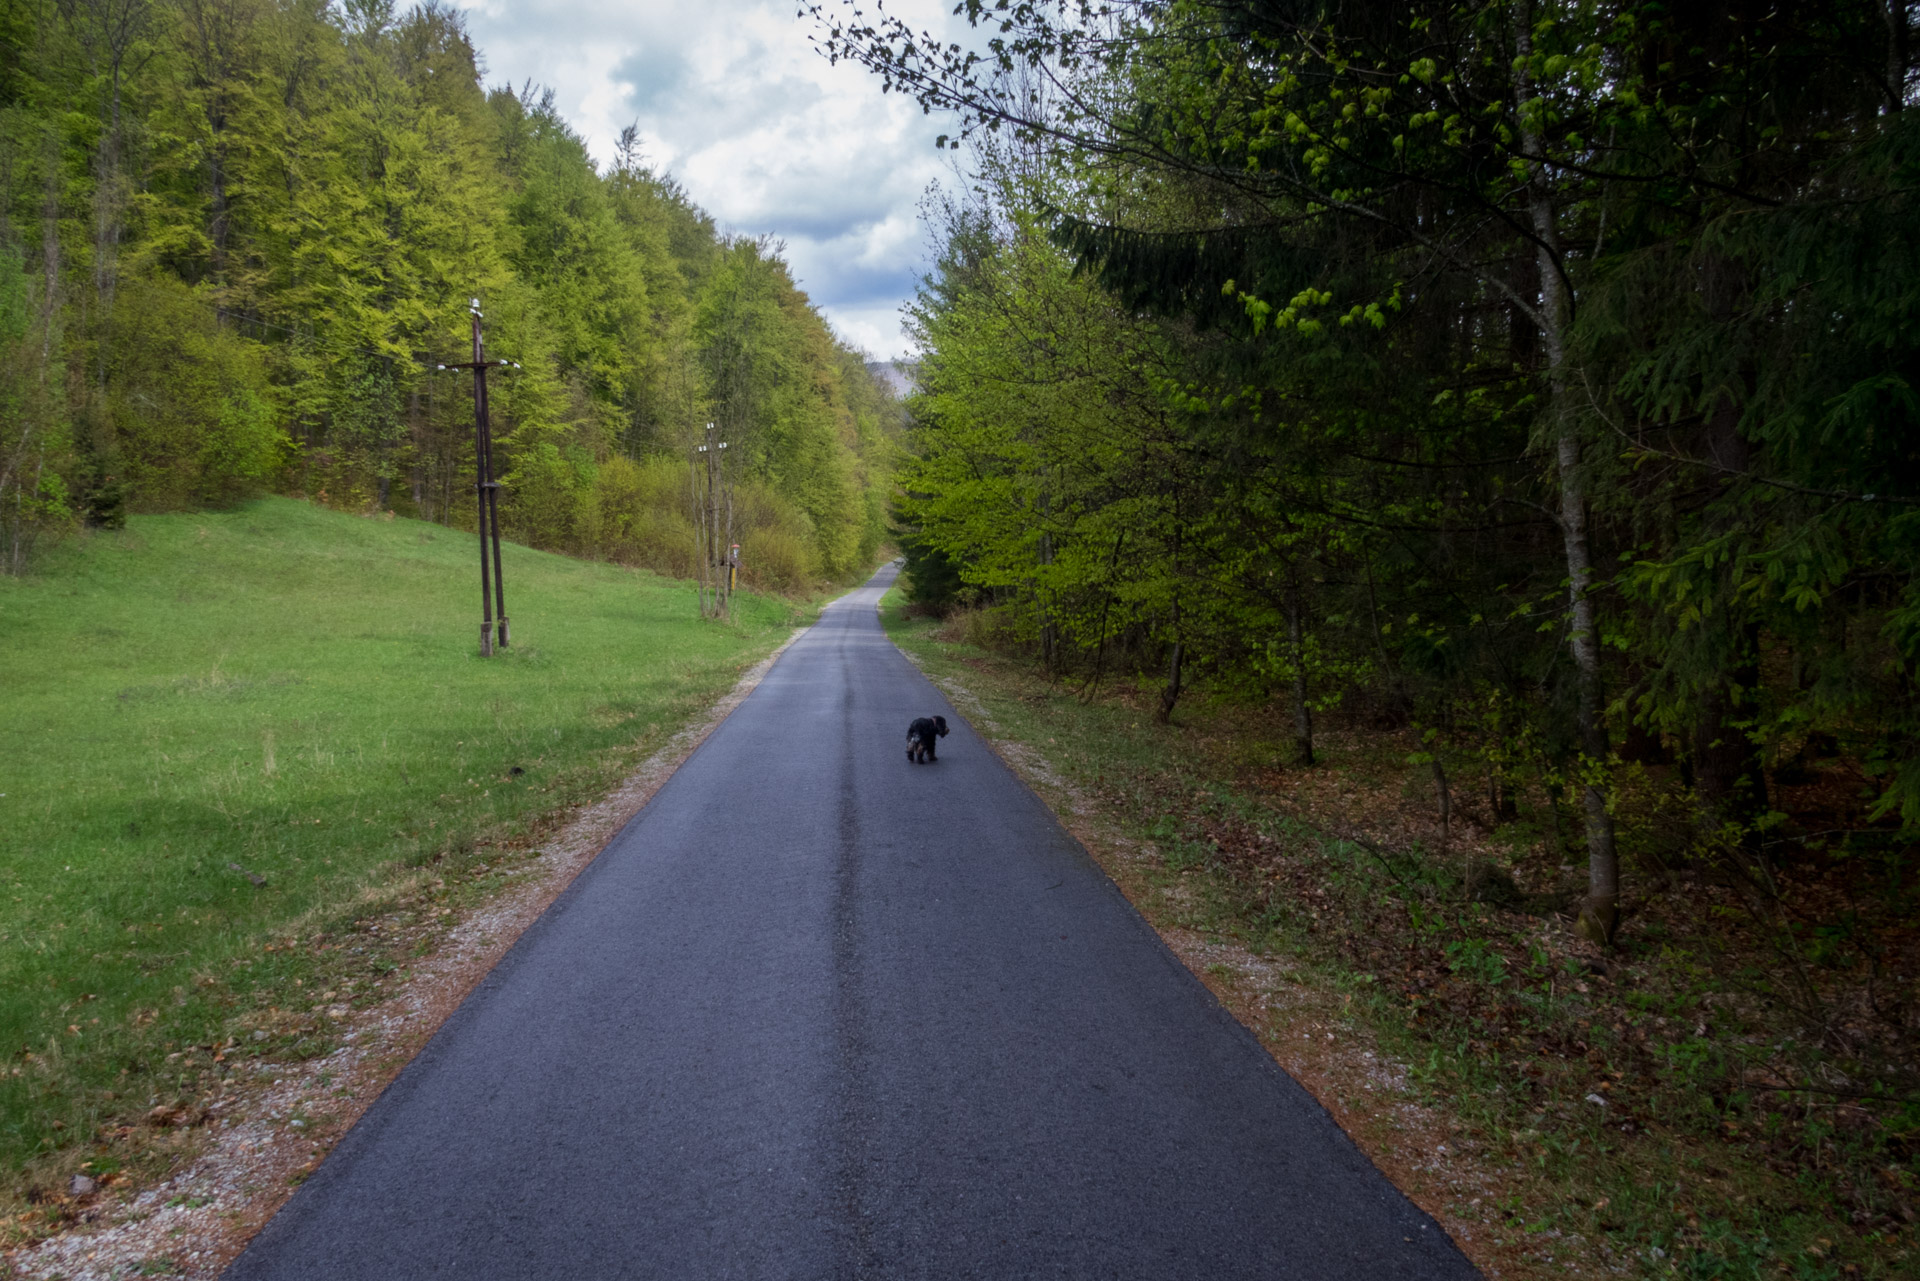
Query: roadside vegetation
point(1659, 1108)
point(242, 751)
point(1508, 404)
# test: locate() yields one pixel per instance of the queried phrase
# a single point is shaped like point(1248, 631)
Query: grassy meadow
point(296, 694)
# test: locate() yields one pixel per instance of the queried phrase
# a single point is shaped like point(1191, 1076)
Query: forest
point(1540, 375)
point(237, 236)
point(1484, 434)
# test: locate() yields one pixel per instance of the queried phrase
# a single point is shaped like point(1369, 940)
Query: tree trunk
point(106, 225)
point(121, 23)
point(1171, 694)
point(1401, 708)
point(416, 432)
point(1106, 604)
point(1727, 773)
point(1600, 914)
point(50, 256)
point(1049, 633)
point(1499, 798)
point(216, 43)
point(1302, 713)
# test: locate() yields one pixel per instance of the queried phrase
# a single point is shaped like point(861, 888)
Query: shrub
point(776, 558)
point(543, 505)
point(191, 411)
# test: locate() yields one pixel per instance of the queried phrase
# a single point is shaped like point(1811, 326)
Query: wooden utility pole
point(493, 591)
point(714, 518)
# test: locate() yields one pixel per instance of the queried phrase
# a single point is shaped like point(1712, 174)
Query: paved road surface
point(820, 1013)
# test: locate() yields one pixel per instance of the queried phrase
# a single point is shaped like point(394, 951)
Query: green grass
point(296, 692)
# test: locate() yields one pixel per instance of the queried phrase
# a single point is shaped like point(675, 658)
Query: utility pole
point(715, 517)
point(493, 591)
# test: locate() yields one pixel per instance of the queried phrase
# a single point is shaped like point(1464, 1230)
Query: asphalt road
point(821, 1013)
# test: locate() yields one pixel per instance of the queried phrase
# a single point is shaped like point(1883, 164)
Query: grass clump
point(229, 736)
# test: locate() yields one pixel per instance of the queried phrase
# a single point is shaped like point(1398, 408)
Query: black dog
point(921, 735)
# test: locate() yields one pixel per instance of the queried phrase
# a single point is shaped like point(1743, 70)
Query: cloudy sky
point(767, 136)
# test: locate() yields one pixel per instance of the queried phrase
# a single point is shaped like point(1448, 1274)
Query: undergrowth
point(1723, 1094)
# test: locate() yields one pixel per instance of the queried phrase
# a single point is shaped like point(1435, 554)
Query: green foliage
point(1442, 356)
point(932, 579)
point(639, 513)
point(190, 400)
point(232, 259)
point(13, 295)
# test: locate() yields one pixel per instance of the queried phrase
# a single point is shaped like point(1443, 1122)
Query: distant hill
point(903, 376)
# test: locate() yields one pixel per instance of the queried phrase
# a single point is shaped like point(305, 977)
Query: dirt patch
point(241, 1154)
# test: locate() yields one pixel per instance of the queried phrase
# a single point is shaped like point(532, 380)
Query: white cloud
point(763, 132)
